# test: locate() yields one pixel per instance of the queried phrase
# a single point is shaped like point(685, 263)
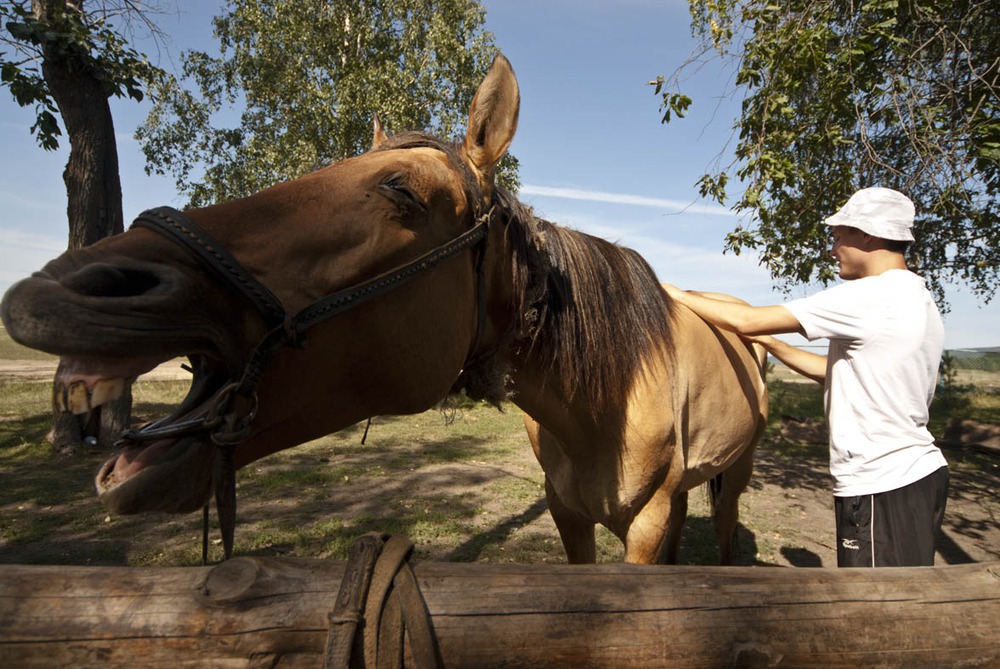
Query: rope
point(378, 606)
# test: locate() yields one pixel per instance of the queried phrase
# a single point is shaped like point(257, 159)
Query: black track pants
point(896, 528)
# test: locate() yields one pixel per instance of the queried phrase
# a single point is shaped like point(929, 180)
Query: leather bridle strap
point(349, 298)
point(179, 228)
point(378, 607)
point(224, 424)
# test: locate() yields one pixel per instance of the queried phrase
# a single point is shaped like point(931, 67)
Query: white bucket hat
point(881, 212)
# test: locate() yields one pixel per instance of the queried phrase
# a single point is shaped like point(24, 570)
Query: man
point(886, 339)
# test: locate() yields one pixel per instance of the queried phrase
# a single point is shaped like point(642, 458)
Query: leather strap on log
point(379, 604)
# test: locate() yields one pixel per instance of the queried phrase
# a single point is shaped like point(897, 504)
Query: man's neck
point(881, 261)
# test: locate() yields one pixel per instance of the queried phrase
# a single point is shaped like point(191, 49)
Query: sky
point(593, 152)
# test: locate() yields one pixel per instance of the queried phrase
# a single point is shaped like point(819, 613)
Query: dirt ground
point(787, 517)
point(796, 496)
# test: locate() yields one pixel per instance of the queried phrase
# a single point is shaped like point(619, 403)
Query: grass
point(19, 397)
point(286, 497)
point(11, 350)
point(975, 394)
point(461, 484)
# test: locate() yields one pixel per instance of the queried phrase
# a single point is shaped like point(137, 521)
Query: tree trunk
point(93, 189)
point(273, 612)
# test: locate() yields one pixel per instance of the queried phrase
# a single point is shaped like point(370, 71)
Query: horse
point(379, 285)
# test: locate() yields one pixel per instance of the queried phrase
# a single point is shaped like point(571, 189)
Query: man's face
point(849, 250)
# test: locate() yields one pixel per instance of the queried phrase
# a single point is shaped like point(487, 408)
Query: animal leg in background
point(726, 490)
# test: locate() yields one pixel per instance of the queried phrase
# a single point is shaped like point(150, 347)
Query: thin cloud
point(12, 199)
point(675, 206)
point(17, 240)
point(22, 253)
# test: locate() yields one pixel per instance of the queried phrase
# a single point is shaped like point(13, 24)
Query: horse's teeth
point(78, 399)
point(106, 390)
point(59, 397)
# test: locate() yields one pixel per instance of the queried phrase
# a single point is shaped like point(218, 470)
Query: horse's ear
point(378, 133)
point(492, 120)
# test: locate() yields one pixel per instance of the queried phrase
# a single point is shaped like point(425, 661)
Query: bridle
point(228, 426)
point(227, 422)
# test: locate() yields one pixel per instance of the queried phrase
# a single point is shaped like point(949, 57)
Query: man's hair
point(896, 245)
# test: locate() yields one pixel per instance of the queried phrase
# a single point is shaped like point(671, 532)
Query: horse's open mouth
point(169, 468)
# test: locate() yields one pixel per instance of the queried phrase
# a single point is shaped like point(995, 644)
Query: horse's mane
point(591, 310)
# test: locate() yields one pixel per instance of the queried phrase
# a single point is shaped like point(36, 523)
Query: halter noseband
point(227, 427)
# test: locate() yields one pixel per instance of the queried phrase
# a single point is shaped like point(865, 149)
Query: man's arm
point(755, 324)
point(736, 316)
point(808, 364)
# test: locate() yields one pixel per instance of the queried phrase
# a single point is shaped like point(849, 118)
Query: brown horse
point(377, 286)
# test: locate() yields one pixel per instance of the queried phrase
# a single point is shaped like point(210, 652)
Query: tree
point(308, 76)
point(66, 60)
point(843, 95)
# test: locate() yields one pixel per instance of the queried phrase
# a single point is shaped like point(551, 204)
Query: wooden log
point(257, 613)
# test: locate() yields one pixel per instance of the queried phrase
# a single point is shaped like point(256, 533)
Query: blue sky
point(593, 153)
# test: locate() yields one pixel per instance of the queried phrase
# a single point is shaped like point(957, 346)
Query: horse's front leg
point(575, 530)
point(654, 534)
point(675, 524)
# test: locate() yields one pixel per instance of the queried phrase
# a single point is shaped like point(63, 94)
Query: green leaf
point(840, 95)
point(309, 75)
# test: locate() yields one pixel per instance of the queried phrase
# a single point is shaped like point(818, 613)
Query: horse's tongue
point(126, 464)
point(132, 460)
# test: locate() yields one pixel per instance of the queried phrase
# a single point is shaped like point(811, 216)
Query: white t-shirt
point(886, 340)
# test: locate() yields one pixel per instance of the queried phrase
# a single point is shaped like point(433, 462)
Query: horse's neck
point(538, 391)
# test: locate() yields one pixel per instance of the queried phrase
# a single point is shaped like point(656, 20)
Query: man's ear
point(862, 240)
point(873, 243)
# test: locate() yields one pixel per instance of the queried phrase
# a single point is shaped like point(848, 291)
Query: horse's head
point(243, 290)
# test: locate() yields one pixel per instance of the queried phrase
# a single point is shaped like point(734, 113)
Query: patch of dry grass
point(462, 484)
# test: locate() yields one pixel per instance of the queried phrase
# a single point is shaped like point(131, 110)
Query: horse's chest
point(601, 480)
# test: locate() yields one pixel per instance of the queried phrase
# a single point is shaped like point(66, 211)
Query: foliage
point(308, 77)
point(87, 40)
point(843, 95)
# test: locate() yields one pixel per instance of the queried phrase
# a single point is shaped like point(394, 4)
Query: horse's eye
point(397, 188)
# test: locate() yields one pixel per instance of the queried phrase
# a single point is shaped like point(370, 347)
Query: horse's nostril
point(103, 280)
